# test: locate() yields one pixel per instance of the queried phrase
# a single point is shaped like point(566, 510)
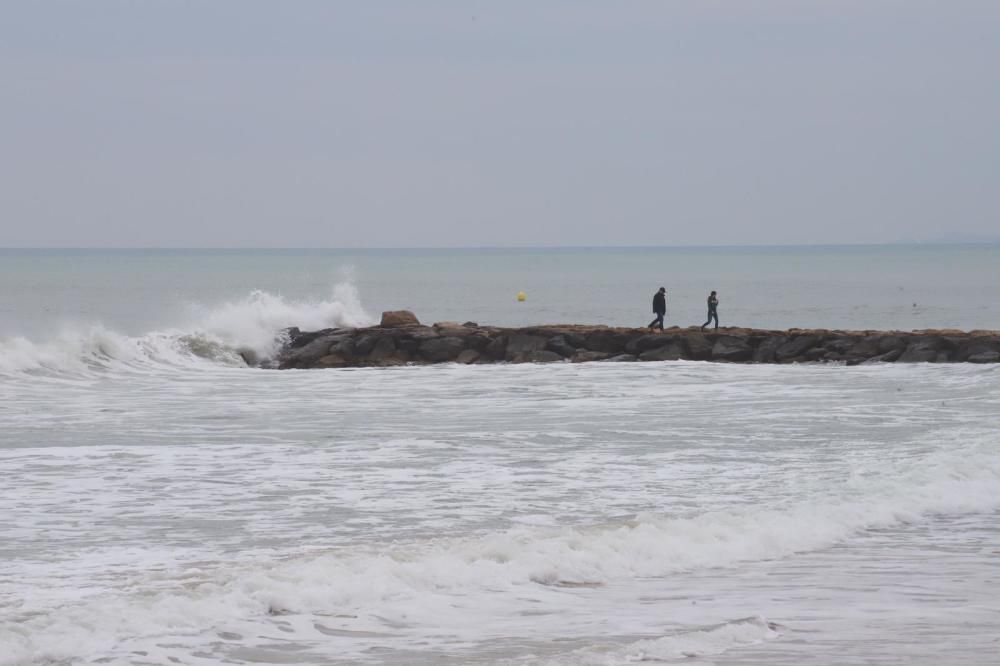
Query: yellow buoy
point(521, 297)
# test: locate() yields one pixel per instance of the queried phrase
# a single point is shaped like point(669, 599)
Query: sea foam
point(216, 334)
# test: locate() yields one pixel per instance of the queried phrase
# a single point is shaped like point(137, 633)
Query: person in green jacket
point(713, 304)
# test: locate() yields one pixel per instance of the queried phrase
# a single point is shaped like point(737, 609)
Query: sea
point(161, 503)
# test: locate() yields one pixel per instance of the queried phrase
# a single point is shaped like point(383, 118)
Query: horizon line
point(499, 247)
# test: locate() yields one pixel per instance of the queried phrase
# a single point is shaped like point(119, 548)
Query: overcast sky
point(397, 124)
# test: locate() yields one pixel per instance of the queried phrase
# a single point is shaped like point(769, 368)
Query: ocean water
point(160, 503)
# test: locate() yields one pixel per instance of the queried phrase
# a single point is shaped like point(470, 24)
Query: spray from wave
point(223, 334)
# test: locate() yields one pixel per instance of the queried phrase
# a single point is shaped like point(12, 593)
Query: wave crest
point(221, 334)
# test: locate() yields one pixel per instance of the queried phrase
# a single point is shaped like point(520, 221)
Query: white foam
point(463, 582)
point(216, 334)
point(683, 645)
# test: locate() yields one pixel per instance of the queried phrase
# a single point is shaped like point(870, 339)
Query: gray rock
point(647, 342)
point(398, 358)
point(795, 348)
point(975, 347)
point(699, 348)
point(768, 347)
point(985, 357)
point(497, 348)
point(921, 350)
point(383, 348)
point(478, 341)
point(728, 348)
point(332, 361)
point(298, 339)
point(865, 348)
point(312, 351)
point(421, 333)
point(467, 356)
point(610, 342)
point(559, 345)
point(439, 350)
point(519, 345)
point(249, 356)
point(816, 354)
point(839, 345)
point(587, 356)
point(344, 347)
point(364, 344)
point(672, 352)
point(539, 356)
point(888, 357)
point(890, 343)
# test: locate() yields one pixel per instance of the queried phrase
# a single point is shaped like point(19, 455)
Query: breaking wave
point(222, 334)
point(469, 581)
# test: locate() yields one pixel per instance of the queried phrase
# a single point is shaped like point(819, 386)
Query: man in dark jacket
point(659, 308)
point(713, 305)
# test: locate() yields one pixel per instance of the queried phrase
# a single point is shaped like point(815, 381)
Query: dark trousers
point(712, 314)
point(658, 321)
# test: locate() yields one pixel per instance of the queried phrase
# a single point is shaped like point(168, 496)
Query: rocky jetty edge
point(400, 339)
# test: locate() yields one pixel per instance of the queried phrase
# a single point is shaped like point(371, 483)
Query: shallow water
point(502, 514)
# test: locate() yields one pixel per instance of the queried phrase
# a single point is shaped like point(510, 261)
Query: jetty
point(400, 339)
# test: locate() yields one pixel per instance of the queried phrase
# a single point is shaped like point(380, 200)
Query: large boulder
point(439, 350)
point(467, 356)
point(308, 354)
point(888, 343)
point(647, 342)
point(518, 345)
point(921, 350)
point(382, 349)
point(478, 341)
point(298, 339)
point(699, 347)
point(536, 356)
point(609, 342)
point(398, 319)
point(863, 348)
point(768, 348)
point(559, 345)
point(888, 357)
point(588, 356)
point(672, 352)
point(795, 348)
point(839, 345)
point(364, 344)
point(332, 361)
point(497, 348)
point(976, 347)
point(409, 339)
point(453, 329)
point(728, 348)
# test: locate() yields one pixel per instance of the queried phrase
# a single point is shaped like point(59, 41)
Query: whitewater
point(163, 503)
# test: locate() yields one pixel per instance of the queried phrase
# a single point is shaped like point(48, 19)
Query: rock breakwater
point(401, 340)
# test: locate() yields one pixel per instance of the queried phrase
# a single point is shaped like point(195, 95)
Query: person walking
point(713, 313)
point(659, 308)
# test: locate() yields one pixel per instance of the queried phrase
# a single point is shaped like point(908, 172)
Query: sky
point(241, 123)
